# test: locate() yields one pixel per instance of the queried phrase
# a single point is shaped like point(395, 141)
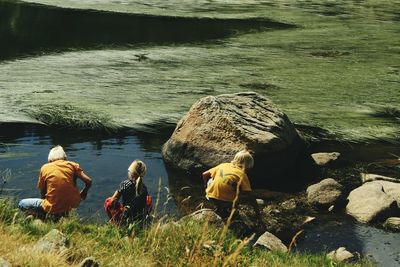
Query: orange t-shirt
point(58, 178)
point(226, 177)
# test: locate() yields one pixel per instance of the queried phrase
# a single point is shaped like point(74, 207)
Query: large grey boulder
point(370, 202)
point(325, 193)
point(271, 242)
point(53, 241)
point(217, 127)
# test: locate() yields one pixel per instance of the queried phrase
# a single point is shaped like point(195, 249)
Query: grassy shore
point(187, 243)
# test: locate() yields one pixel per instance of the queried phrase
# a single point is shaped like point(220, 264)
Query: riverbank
point(186, 243)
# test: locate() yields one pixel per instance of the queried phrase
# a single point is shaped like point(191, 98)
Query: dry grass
point(168, 243)
point(16, 248)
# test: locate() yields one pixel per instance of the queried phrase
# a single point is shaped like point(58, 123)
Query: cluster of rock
point(377, 199)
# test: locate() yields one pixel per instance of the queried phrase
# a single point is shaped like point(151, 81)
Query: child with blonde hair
point(136, 202)
point(228, 184)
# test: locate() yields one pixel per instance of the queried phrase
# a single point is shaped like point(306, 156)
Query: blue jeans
point(33, 204)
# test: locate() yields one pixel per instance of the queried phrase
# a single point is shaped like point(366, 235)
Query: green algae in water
point(325, 73)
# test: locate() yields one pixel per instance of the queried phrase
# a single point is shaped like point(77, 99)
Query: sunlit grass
point(70, 117)
point(187, 243)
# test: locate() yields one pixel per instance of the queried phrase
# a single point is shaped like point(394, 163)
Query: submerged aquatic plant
point(70, 117)
point(388, 112)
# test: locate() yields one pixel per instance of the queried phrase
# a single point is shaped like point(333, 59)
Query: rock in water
point(393, 223)
point(217, 127)
point(325, 193)
point(369, 203)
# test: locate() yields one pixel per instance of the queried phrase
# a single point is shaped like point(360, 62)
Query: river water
point(144, 63)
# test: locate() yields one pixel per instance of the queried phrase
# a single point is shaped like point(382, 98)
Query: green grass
point(189, 243)
point(71, 117)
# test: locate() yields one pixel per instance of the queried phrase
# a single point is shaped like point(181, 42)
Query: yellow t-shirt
point(226, 177)
point(58, 178)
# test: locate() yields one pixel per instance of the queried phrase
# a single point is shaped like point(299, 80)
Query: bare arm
point(206, 175)
point(115, 197)
point(88, 183)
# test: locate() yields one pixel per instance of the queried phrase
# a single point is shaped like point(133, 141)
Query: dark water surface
point(24, 149)
point(330, 233)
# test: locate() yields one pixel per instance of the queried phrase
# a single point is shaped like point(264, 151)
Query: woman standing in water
point(57, 186)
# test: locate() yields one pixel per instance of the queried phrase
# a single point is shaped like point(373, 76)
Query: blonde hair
point(56, 153)
point(137, 168)
point(243, 159)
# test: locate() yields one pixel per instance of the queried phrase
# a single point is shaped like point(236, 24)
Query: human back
point(228, 179)
point(62, 194)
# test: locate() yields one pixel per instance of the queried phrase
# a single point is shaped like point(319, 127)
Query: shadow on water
point(329, 233)
point(32, 28)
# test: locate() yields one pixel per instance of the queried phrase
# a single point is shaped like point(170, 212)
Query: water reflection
point(24, 150)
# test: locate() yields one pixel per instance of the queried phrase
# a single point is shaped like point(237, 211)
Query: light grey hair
point(56, 153)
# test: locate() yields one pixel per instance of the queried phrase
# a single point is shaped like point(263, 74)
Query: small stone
point(206, 215)
point(340, 254)
point(271, 242)
point(289, 204)
point(324, 158)
point(89, 262)
point(53, 241)
point(393, 223)
point(4, 263)
point(308, 219)
point(260, 201)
